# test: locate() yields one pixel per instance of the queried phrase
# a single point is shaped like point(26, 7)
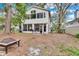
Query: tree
point(54, 22)
point(41, 5)
point(8, 18)
point(20, 15)
point(61, 10)
point(2, 22)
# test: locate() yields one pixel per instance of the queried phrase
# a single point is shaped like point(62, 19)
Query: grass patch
point(70, 51)
point(73, 51)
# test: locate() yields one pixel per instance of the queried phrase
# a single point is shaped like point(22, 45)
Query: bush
point(77, 35)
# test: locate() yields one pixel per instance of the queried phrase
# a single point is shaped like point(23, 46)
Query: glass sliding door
point(29, 27)
point(24, 27)
point(36, 27)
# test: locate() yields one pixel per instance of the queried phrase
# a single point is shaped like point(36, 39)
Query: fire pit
point(9, 42)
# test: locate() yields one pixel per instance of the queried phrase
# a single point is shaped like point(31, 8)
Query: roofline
point(40, 8)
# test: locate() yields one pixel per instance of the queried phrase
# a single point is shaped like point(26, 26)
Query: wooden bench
point(9, 42)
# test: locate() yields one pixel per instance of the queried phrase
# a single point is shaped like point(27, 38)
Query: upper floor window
point(33, 14)
point(41, 15)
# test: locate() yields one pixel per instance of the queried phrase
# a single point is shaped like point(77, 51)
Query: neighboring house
point(72, 27)
point(38, 21)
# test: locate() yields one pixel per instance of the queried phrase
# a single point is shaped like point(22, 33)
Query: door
point(36, 27)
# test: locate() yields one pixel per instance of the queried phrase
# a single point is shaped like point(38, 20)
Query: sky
point(71, 9)
point(52, 9)
point(1, 5)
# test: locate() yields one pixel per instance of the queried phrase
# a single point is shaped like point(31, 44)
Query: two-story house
point(38, 21)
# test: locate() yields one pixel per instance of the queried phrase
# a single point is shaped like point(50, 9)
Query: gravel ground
point(47, 44)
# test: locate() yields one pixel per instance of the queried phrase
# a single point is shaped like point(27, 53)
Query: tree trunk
point(59, 25)
point(59, 21)
point(20, 28)
point(8, 19)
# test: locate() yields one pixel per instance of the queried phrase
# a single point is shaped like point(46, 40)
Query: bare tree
point(61, 10)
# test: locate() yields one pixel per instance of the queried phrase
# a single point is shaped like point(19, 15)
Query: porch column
point(27, 27)
point(36, 15)
point(47, 28)
point(33, 27)
point(22, 27)
point(42, 28)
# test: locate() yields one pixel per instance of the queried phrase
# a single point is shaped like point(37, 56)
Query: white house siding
point(77, 14)
point(72, 29)
point(45, 20)
point(38, 11)
point(36, 21)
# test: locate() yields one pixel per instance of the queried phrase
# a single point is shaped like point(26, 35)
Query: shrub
point(77, 35)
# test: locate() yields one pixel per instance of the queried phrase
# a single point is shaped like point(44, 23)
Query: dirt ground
point(48, 43)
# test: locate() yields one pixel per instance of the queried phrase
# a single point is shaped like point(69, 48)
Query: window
point(24, 27)
point(36, 27)
point(33, 14)
point(39, 15)
point(29, 27)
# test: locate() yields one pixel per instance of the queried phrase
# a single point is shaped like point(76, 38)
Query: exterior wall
point(38, 11)
point(40, 20)
point(72, 25)
point(77, 15)
point(45, 20)
point(73, 29)
point(36, 21)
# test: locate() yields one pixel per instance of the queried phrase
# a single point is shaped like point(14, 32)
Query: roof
point(71, 22)
point(38, 8)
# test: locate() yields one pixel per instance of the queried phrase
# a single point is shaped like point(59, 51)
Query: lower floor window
point(24, 27)
point(37, 27)
point(29, 27)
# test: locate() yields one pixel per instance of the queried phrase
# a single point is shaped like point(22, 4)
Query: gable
point(37, 10)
